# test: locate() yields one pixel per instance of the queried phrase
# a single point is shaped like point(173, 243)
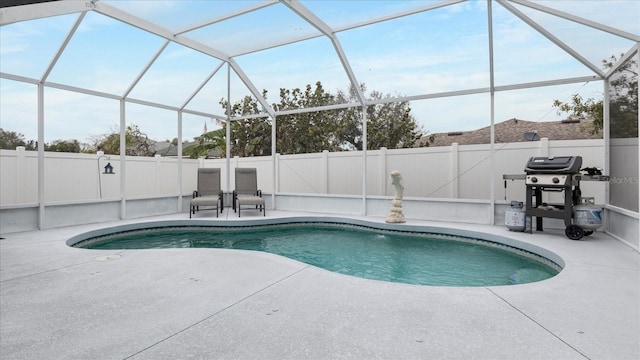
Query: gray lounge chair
point(247, 192)
point(209, 192)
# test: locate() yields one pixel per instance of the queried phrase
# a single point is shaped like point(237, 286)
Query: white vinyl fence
point(449, 172)
point(72, 177)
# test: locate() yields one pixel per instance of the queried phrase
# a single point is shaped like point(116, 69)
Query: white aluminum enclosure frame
point(9, 15)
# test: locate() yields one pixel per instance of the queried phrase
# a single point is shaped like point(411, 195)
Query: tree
point(623, 102)
point(207, 143)
point(71, 146)
point(11, 139)
point(310, 131)
point(137, 143)
point(249, 137)
point(390, 125)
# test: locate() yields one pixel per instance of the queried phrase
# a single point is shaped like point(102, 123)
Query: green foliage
point(579, 108)
point(623, 106)
point(70, 146)
point(10, 140)
point(212, 141)
point(390, 125)
point(137, 143)
point(306, 132)
point(623, 102)
point(249, 137)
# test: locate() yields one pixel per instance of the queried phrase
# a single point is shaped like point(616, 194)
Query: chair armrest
point(195, 193)
point(259, 193)
point(221, 197)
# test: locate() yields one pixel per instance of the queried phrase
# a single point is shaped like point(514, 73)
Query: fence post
point(21, 180)
point(383, 170)
point(455, 169)
point(156, 173)
point(325, 171)
point(277, 177)
point(544, 147)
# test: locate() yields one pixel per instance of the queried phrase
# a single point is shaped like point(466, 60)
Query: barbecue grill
point(555, 174)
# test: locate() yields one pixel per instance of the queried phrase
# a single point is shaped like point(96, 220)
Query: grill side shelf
point(578, 177)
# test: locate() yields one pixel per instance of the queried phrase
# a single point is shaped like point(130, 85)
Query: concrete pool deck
point(58, 302)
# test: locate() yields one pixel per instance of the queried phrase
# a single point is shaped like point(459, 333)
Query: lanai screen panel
point(295, 66)
point(624, 137)
point(619, 14)
point(28, 47)
point(593, 44)
point(523, 55)
point(174, 76)
point(104, 55)
point(439, 50)
point(176, 15)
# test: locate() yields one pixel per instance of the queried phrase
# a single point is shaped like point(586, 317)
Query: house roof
point(514, 130)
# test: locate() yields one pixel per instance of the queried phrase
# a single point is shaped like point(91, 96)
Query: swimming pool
point(388, 253)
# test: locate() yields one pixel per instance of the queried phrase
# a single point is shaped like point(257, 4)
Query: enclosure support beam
point(41, 193)
point(623, 60)
point(327, 31)
point(638, 109)
point(274, 168)
point(364, 160)
point(123, 161)
point(552, 38)
point(606, 122)
point(492, 179)
point(245, 79)
point(186, 102)
point(579, 20)
point(145, 69)
point(179, 161)
point(228, 130)
point(14, 14)
point(63, 46)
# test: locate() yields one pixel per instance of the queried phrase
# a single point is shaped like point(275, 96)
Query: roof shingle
point(513, 130)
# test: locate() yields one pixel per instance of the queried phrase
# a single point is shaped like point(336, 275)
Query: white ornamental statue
point(396, 216)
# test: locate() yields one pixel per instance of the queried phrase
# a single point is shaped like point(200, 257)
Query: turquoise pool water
point(412, 258)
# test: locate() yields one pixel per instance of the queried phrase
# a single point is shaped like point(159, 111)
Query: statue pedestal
point(396, 215)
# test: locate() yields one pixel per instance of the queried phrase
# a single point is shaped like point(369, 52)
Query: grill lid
point(554, 165)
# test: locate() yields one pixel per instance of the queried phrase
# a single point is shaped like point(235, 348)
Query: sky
point(438, 51)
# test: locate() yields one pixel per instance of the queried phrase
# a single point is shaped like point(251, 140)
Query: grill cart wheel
point(574, 232)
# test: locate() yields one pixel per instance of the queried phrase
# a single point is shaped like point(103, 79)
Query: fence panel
point(440, 172)
point(426, 172)
point(302, 174)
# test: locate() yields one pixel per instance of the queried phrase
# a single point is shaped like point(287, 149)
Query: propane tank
point(587, 215)
point(514, 216)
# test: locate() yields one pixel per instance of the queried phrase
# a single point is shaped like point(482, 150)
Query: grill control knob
point(534, 179)
point(555, 180)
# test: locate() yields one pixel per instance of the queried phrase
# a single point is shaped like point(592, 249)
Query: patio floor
point(58, 302)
